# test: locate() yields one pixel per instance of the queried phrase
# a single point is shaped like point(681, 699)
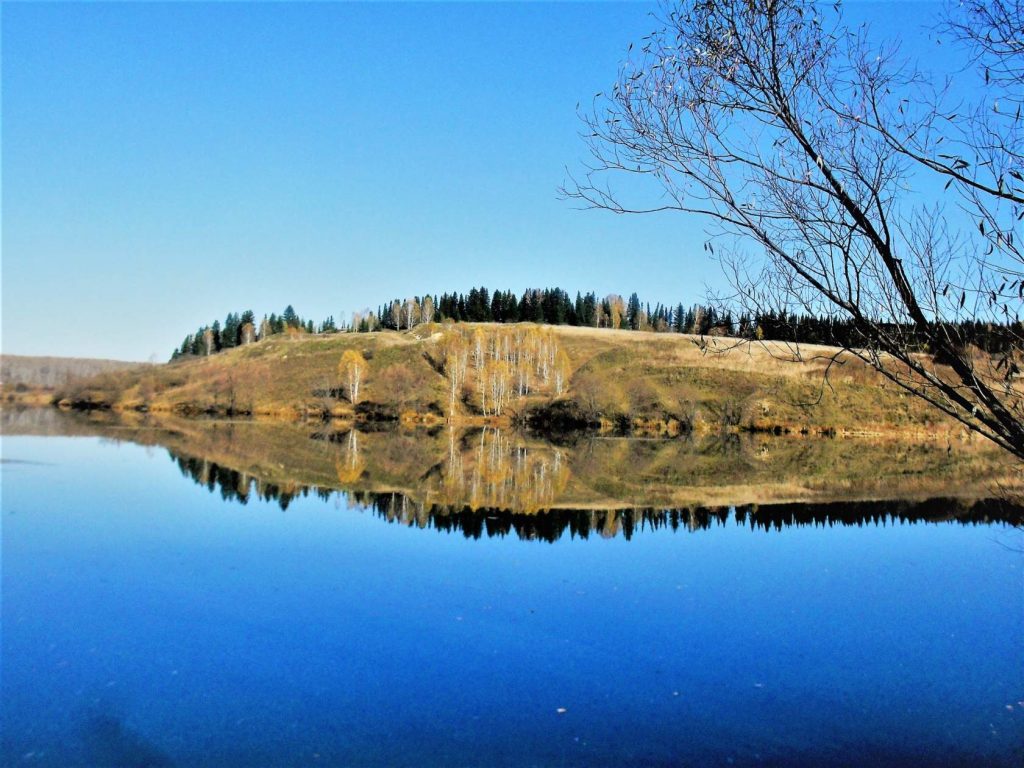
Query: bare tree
point(427, 309)
point(410, 312)
point(247, 334)
point(456, 361)
point(208, 343)
point(838, 180)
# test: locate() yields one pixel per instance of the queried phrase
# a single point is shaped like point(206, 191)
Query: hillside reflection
point(500, 483)
point(475, 522)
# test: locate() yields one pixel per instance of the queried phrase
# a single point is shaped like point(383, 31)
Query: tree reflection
point(500, 468)
point(350, 465)
point(502, 472)
point(500, 482)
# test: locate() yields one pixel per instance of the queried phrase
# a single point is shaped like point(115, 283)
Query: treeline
point(550, 306)
point(554, 306)
point(240, 328)
point(552, 524)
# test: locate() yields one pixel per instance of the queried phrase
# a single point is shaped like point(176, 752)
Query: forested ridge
point(555, 306)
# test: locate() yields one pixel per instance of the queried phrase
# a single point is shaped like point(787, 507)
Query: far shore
point(607, 382)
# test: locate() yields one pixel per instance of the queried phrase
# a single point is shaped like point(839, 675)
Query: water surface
point(150, 617)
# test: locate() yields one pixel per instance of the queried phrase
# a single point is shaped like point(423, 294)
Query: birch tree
point(562, 371)
point(208, 344)
point(456, 360)
point(616, 310)
point(410, 311)
point(507, 363)
point(478, 345)
point(247, 334)
point(352, 369)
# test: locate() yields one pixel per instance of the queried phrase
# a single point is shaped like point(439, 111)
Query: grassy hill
point(612, 379)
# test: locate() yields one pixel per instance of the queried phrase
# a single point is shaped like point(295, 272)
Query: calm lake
point(235, 595)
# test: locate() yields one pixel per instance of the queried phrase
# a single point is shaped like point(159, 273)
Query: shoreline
point(380, 418)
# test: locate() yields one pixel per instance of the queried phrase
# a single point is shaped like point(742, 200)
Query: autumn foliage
point(351, 370)
point(493, 368)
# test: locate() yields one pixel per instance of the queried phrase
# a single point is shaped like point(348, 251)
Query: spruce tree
point(229, 334)
point(633, 311)
point(216, 335)
point(290, 318)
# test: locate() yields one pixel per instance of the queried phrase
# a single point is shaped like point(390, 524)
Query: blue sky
point(165, 164)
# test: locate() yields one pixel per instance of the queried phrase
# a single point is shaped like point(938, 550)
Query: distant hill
point(555, 378)
point(53, 372)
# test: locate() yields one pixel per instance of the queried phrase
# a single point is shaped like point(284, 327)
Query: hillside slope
point(50, 372)
point(609, 379)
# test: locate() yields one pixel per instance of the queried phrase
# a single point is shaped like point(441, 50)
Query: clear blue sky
point(165, 164)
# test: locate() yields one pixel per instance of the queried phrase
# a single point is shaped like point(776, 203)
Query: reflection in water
point(498, 482)
point(498, 472)
point(171, 627)
point(350, 465)
point(504, 474)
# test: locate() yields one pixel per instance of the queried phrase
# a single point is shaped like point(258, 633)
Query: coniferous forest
point(555, 306)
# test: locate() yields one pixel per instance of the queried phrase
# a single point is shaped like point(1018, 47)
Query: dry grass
point(659, 382)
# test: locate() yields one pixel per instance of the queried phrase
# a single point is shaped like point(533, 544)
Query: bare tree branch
point(785, 129)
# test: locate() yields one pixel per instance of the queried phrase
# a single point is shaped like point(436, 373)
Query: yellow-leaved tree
point(352, 370)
